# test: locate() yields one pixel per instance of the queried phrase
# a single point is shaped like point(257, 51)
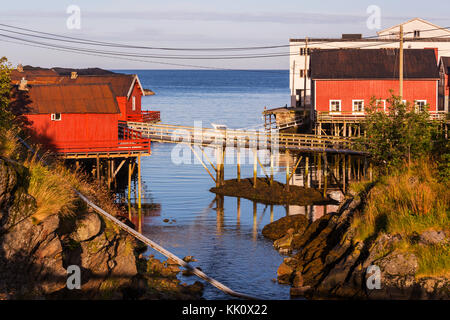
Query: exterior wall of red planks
point(348, 90)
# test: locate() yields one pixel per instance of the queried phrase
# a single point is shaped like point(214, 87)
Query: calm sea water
point(228, 247)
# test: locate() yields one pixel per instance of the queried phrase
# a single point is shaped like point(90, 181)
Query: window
point(56, 116)
point(303, 50)
point(134, 103)
point(335, 105)
point(381, 105)
point(420, 105)
point(358, 105)
point(416, 33)
point(304, 72)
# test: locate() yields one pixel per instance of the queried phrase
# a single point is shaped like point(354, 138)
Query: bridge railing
point(230, 137)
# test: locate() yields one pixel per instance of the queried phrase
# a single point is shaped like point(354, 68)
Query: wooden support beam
point(98, 168)
point(238, 166)
point(325, 169)
point(203, 164)
point(130, 173)
point(264, 170)
point(271, 168)
point(118, 168)
point(287, 170)
point(295, 167)
point(307, 171)
point(207, 158)
point(139, 183)
point(255, 167)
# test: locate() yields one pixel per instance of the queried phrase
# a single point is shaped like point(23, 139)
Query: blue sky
point(201, 23)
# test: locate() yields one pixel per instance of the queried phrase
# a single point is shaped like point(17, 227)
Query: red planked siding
point(126, 105)
point(348, 90)
point(90, 130)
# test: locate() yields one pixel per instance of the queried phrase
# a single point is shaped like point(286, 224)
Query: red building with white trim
point(345, 81)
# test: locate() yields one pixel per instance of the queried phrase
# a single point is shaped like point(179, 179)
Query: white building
point(418, 34)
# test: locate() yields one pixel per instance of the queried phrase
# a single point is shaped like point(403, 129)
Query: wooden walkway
point(244, 139)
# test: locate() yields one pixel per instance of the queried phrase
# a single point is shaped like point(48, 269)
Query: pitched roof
point(121, 84)
point(73, 98)
point(446, 62)
point(373, 64)
point(30, 73)
point(434, 26)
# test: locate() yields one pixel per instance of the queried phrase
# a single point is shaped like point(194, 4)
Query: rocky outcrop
point(329, 261)
point(34, 257)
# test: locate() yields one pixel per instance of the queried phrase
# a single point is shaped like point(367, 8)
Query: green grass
point(409, 202)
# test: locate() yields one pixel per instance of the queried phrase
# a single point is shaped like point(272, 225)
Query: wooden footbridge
point(209, 137)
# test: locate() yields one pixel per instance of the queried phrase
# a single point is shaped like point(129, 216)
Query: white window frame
point(416, 106)
point(384, 104)
point(340, 106)
point(353, 106)
point(133, 103)
point(54, 118)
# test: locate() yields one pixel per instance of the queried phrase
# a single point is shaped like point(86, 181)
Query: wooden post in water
point(139, 182)
point(287, 169)
point(307, 171)
point(218, 171)
point(238, 220)
point(255, 225)
point(344, 173)
point(271, 167)
point(319, 170)
point(255, 167)
point(325, 169)
point(238, 158)
point(98, 168)
point(271, 213)
point(222, 174)
point(129, 180)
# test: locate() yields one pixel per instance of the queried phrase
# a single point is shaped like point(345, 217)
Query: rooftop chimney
point(19, 67)
point(23, 84)
point(351, 36)
point(73, 75)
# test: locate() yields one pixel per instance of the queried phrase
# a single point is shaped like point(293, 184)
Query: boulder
point(279, 228)
point(431, 237)
point(87, 227)
point(284, 273)
point(398, 264)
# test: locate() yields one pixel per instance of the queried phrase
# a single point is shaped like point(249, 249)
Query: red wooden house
point(128, 91)
point(345, 81)
point(75, 118)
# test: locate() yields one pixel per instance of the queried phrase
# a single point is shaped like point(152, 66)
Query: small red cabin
point(345, 81)
point(73, 115)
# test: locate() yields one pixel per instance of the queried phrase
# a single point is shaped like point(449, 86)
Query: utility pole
point(305, 74)
point(401, 62)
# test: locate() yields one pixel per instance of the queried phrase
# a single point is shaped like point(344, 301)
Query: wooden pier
point(244, 139)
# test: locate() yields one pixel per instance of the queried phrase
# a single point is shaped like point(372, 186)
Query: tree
point(6, 116)
point(400, 134)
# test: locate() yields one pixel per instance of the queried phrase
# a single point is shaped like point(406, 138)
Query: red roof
point(373, 64)
point(63, 98)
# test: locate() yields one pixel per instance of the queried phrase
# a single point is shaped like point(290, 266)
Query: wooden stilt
point(344, 174)
point(98, 167)
point(238, 221)
point(139, 182)
point(238, 166)
point(307, 171)
point(325, 183)
point(319, 171)
point(271, 167)
point(287, 170)
point(255, 167)
point(271, 213)
point(129, 180)
point(255, 225)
